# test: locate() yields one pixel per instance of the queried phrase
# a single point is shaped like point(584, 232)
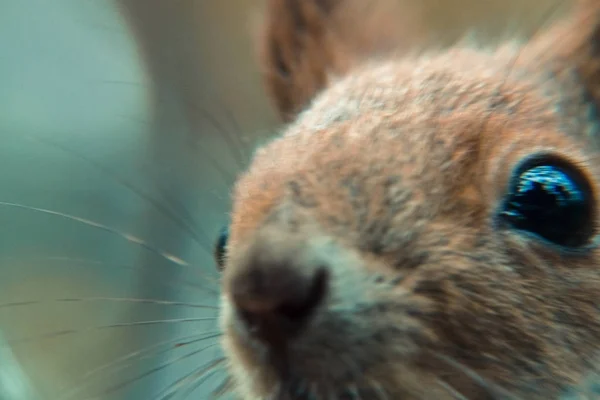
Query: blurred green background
point(137, 115)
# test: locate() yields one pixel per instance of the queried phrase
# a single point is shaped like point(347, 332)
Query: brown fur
point(395, 169)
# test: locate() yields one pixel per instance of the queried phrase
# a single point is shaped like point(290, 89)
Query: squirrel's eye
point(221, 246)
point(552, 199)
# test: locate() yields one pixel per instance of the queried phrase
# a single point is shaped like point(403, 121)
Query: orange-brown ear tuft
point(305, 42)
point(298, 49)
point(587, 54)
point(574, 45)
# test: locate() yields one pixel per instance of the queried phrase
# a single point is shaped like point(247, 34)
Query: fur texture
point(390, 175)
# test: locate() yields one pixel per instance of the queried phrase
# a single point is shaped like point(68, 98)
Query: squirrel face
point(425, 226)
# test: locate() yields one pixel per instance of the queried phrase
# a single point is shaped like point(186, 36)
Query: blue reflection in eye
point(553, 203)
point(551, 182)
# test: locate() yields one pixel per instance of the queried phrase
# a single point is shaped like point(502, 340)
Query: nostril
point(275, 307)
point(303, 308)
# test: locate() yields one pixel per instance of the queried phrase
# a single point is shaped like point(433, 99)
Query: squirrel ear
point(573, 46)
point(586, 53)
point(305, 42)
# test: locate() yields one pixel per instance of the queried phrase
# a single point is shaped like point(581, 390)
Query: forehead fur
point(454, 122)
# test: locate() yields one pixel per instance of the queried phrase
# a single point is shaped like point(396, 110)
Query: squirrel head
point(425, 223)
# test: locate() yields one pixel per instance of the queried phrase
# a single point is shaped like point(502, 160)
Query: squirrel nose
point(275, 301)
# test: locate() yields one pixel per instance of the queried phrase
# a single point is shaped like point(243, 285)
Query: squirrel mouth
point(294, 386)
point(294, 377)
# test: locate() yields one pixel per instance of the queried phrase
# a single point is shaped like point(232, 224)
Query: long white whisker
point(108, 299)
point(67, 332)
point(154, 370)
point(225, 387)
point(490, 388)
point(379, 389)
point(126, 236)
point(140, 354)
point(201, 379)
point(161, 208)
point(451, 391)
point(237, 149)
point(172, 389)
point(70, 261)
point(208, 117)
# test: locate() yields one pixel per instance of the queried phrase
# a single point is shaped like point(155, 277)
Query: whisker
point(126, 236)
point(161, 208)
point(68, 332)
point(177, 342)
point(227, 134)
point(106, 265)
point(237, 130)
point(207, 116)
point(228, 177)
point(205, 153)
point(378, 389)
point(172, 389)
point(124, 83)
point(489, 388)
point(116, 388)
point(539, 30)
point(225, 174)
point(201, 380)
point(121, 362)
point(187, 215)
point(225, 387)
point(108, 299)
point(451, 391)
point(510, 67)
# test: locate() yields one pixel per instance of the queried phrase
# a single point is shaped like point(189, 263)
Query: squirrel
point(426, 226)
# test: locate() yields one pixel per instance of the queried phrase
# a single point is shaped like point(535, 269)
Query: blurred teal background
point(109, 112)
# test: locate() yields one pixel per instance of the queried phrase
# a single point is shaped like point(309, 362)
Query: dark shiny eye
point(221, 246)
point(552, 199)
